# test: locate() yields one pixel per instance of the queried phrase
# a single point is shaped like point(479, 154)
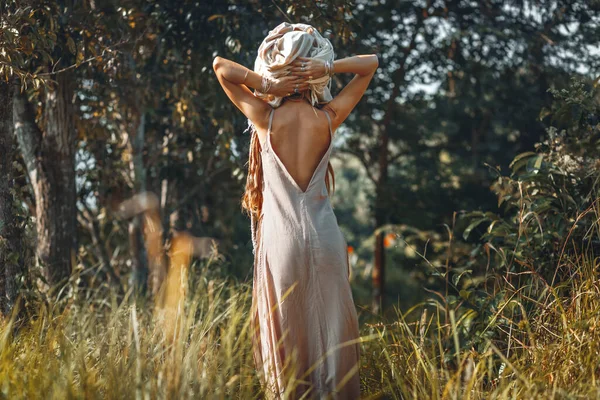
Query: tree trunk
point(398, 80)
point(50, 160)
point(138, 279)
point(378, 275)
point(11, 233)
point(141, 272)
point(381, 205)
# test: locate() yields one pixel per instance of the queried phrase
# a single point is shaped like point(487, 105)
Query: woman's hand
point(313, 67)
point(285, 85)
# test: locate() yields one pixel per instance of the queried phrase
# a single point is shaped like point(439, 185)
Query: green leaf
point(456, 277)
point(472, 226)
point(534, 164)
point(520, 157)
point(544, 113)
point(71, 45)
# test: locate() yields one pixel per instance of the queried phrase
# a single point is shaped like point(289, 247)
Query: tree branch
point(396, 157)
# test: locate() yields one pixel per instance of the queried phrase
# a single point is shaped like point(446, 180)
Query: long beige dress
point(305, 323)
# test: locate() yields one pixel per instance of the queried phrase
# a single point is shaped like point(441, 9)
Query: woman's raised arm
point(364, 66)
point(236, 81)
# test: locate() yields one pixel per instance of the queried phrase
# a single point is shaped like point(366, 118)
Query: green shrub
point(548, 214)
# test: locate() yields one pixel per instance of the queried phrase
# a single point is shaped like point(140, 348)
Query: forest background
point(466, 177)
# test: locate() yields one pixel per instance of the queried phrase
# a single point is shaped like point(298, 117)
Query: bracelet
point(330, 69)
point(266, 84)
point(245, 76)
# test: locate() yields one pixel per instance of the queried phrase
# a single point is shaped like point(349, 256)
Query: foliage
point(549, 217)
point(459, 87)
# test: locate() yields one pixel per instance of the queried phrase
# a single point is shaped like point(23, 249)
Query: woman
point(303, 315)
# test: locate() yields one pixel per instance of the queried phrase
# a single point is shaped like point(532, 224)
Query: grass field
point(96, 348)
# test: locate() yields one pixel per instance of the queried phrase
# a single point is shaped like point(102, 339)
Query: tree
point(492, 63)
point(11, 229)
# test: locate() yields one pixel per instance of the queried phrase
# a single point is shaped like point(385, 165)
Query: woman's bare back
point(300, 138)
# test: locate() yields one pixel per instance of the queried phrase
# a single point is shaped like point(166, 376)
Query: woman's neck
point(298, 99)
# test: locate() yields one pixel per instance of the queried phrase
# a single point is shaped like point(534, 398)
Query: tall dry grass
point(98, 348)
point(101, 349)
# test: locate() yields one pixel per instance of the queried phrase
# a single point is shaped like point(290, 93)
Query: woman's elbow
point(217, 62)
point(375, 61)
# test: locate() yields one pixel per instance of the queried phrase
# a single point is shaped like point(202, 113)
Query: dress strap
point(329, 121)
point(270, 120)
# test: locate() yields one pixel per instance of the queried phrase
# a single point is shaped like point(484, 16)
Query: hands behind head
point(313, 67)
point(298, 76)
point(285, 85)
